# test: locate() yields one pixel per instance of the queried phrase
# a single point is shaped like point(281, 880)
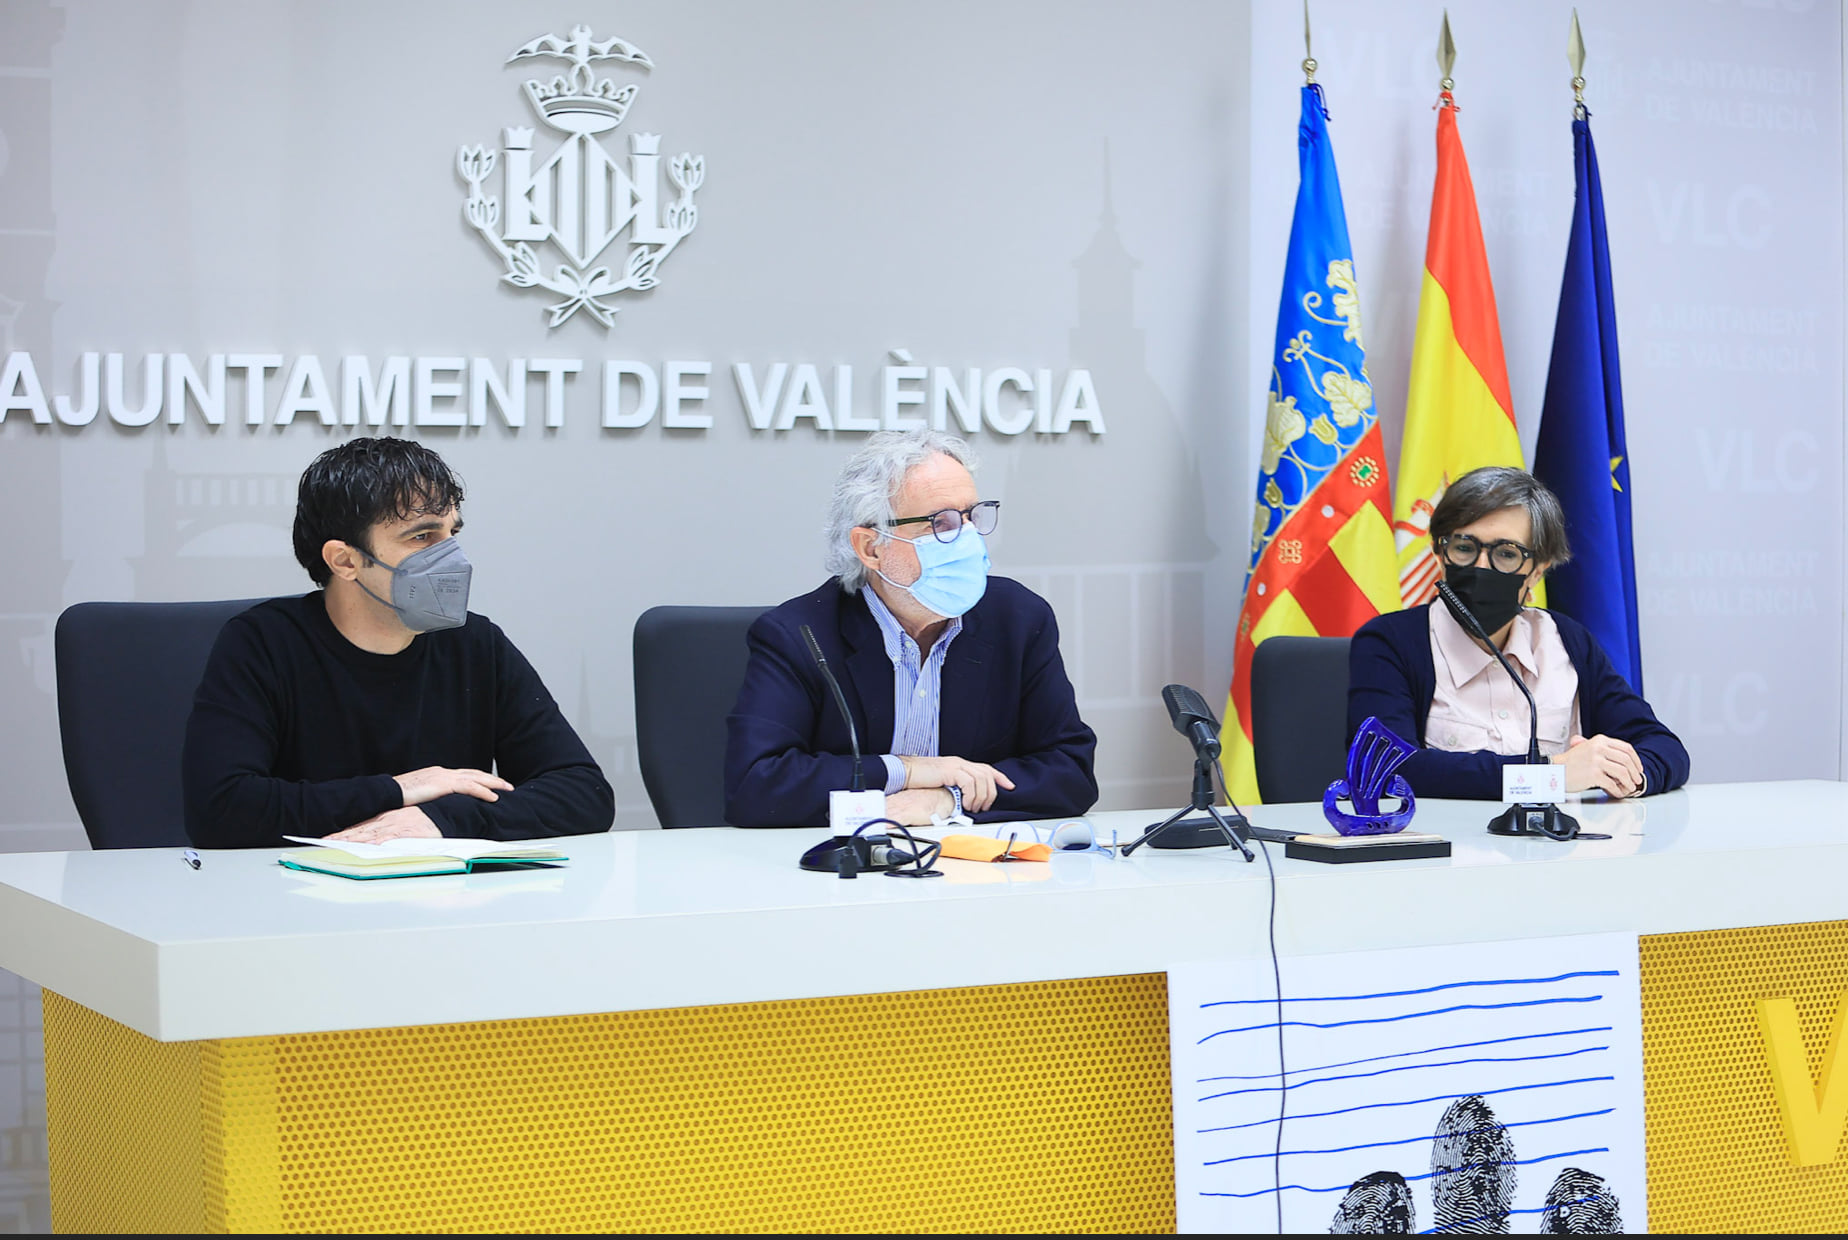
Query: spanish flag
point(1321, 541)
point(1458, 413)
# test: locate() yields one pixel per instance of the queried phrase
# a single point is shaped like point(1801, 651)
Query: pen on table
point(190, 857)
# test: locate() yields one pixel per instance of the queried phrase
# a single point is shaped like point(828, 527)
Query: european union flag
point(1582, 455)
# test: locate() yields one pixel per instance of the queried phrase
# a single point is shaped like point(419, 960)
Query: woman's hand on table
point(1602, 762)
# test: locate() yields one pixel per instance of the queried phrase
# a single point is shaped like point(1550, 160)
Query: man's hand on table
point(440, 781)
point(394, 824)
point(978, 780)
point(914, 808)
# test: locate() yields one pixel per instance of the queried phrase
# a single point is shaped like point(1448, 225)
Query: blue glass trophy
point(1372, 764)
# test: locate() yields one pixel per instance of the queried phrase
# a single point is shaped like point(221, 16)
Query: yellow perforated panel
point(1011, 1108)
point(1717, 1155)
point(124, 1125)
point(240, 1099)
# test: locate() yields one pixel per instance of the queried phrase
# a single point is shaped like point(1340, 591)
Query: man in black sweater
point(378, 706)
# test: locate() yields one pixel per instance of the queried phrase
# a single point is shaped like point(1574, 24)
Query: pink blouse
point(1476, 706)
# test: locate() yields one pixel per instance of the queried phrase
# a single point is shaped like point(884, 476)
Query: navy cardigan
point(1392, 677)
point(1005, 700)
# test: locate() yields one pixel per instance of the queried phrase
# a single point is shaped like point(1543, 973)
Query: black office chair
point(127, 673)
point(1299, 716)
point(689, 664)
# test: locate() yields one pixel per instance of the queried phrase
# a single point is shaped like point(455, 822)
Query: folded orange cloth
point(981, 848)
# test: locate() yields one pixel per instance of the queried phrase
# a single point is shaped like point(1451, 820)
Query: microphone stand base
point(1222, 829)
point(1544, 820)
point(1215, 828)
point(1198, 833)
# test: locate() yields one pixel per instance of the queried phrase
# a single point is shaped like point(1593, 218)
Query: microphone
point(1468, 620)
point(856, 849)
point(1194, 719)
point(1191, 717)
point(1516, 819)
point(840, 700)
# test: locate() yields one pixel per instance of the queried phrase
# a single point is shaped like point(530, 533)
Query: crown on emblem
point(519, 138)
point(593, 110)
point(645, 143)
point(579, 103)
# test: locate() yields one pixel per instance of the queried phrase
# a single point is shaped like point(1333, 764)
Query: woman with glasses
point(953, 679)
point(1496, 532)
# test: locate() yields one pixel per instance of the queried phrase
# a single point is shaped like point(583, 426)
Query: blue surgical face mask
point(952, 575)
point(429, 589)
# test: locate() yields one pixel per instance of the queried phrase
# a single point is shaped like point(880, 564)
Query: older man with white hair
point(955, 675)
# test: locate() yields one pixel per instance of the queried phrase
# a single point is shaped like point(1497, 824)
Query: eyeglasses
point(1073, 835)
point(1505, 555)
point(947, 523)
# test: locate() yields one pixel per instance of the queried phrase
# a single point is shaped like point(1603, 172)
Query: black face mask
point(1493, 598)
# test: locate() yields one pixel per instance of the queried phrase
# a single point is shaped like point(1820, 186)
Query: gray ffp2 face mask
point(429, 589)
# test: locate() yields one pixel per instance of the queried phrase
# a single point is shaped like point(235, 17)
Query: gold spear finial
point(1575, 54)
point(1308, 49)
point(1446, 53)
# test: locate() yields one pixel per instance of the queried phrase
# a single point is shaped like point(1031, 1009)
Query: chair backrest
point(689, 665)
point(1299, 715)
point(127, 673)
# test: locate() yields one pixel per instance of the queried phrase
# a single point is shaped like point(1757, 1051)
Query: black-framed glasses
point(1505, 555)
point(948, 522)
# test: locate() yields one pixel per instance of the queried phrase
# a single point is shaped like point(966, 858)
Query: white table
point(243, 953)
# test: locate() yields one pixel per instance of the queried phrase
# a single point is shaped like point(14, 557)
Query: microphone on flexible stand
point(1516, 819)
point(840, 700)
point(854, 847)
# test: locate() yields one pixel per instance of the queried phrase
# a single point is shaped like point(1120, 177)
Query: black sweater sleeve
point(558, 789)
point(233, 737)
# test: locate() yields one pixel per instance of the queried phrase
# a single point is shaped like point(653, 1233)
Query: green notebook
point(343, 864)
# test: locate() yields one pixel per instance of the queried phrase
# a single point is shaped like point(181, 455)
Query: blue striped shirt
point(916, 689)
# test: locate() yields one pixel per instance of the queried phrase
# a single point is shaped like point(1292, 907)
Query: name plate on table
point(1544, 784)
point(849, 811)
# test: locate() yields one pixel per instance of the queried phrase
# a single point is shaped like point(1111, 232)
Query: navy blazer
point(1005, 701)
point(1392, 676)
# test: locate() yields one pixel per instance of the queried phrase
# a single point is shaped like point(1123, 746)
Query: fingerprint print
point(1472, 1170)
point(1581, 1204)
point(1376, 1204)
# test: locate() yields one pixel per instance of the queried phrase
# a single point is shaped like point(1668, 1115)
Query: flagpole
point(1575, 56)
point(1446, 59)
point(1308, 50)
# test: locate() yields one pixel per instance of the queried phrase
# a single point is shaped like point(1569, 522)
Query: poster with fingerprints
point(1490, 1087)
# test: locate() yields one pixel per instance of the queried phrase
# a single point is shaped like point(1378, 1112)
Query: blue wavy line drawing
point(1429, 1050)
point(1345, 1149)
point(1388, 1020)
point(1410, 1067)
point(1411, 1102)
point(1342, 1188)
point(1396, 994)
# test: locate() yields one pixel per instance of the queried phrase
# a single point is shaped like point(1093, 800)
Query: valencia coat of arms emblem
point(580, 198)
